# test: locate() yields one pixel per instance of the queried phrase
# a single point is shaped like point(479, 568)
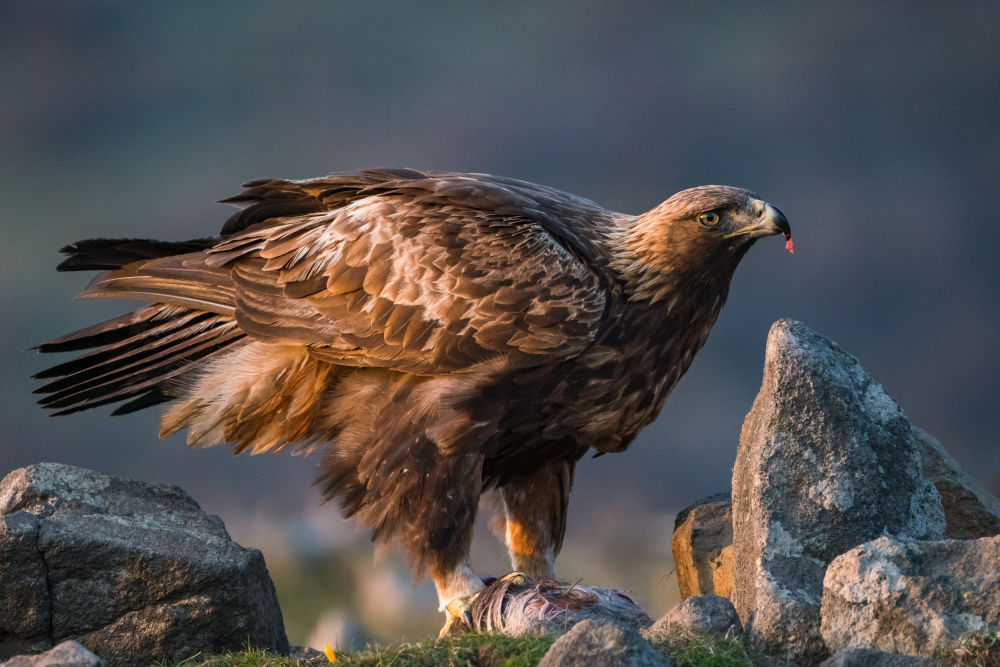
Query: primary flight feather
point(444, 333)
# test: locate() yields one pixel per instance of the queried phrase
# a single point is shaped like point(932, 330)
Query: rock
point(702, 547)
point(912, 597)
point(826, 461)
point(516, 605)
point(67, 654)
point(594, 643)
point(701, 614)
point(135, 572)
point(970, 510)
point(867, 658)
point(24, 598)
point(703, 532)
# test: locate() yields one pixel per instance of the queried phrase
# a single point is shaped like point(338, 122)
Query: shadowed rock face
point(827, 461)
point(702, 547)
point(970, 510)
point(912, 597)
point(135, 572)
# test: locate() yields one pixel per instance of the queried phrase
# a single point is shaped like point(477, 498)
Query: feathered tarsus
point(447, 333)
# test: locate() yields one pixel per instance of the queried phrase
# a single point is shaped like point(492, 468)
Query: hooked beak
point(770, 221)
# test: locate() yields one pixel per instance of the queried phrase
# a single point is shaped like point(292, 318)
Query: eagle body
point(438, 334)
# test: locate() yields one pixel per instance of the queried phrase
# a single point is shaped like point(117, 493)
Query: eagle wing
point(428, 273)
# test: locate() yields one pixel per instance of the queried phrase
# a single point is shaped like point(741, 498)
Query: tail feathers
point(183, 280)
point(136, 358)
point(154, 396)
point(115, 344)
point(111, 331)
point(105, 254)
point(187, 348)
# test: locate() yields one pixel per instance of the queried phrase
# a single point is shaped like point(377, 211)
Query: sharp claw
point(516, 578)
point(459, 613)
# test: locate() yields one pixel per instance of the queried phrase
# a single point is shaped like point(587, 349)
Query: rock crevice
point(47, 585)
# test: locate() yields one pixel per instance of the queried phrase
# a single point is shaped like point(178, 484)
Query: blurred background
point(875, 127)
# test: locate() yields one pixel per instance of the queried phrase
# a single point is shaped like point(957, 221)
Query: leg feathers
point(258, 397)
point(387, 470)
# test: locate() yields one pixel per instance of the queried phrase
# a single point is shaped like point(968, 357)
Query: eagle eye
point(709, 218)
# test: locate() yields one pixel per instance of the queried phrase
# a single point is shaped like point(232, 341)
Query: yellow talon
point(516, 578)
point(329, 653)
point(458, 616)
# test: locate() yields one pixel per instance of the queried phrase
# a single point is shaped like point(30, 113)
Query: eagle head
point(698, 236)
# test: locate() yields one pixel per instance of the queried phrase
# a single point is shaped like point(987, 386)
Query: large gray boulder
point(135, 572)
point(25, 613)
point(970, 510)
point(702, 542)
point(912, 597)
point(827, 461)
point(596, 643)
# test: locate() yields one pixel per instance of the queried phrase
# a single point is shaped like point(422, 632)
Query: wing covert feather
point(428, 277)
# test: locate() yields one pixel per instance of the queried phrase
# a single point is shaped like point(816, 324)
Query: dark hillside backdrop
point(874, 126)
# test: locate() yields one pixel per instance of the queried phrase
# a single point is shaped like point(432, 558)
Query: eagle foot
point(515, 578)
point(458, 615)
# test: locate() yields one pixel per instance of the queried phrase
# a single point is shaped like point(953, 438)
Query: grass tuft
point(464, 650)
point(489, 650)
point(697, 650)
point(468, 650)
point(975, 650)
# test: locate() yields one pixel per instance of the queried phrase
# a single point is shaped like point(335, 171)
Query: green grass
point(975, 650)
point(463, 651)
point(694, 650)
point(247, 658)
point(472, 650)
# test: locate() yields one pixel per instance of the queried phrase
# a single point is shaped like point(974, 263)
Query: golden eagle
point(444, 333)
